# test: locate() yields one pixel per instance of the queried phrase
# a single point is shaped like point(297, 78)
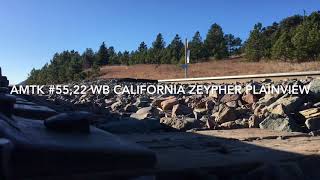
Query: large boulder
point(146, 113)
point(182, 124)
point(315, 88)
point(226, 114)
point(249, 98)
point(312, 117)
point(180, 109)
point(289, 104)
point(313, 124)
point(169, 103)
point(279, 123)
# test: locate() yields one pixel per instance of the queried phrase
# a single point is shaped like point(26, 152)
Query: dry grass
point(206, 69)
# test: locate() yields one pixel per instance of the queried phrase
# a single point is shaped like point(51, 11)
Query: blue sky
point(31, 31)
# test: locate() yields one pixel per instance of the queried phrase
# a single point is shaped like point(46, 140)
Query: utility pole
point(186, 59)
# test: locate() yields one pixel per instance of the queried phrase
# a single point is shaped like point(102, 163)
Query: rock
point(69, 122)
point(243, 123)
point(316, 104)
point(279, 110)
point(315, 88)
point(180, 109)
point(182, 124)
point(108, 102)
point(230, 125)
point(198, 113)
point(290, 104)
point(232, 104)
point(157, 101)
point(268, 99)
point(249, 98)
point(213, 94)
point(144, 113)
point(311, 113)
point(226, 114)
point(131, 126)
point(210, 105)
point(230, 97)
point(211, 123)
point(313, 124)
point(142, 102)
point(116, 106)
point(169, 103)
point(278, 123)
point(254, 121)
point(130, 108)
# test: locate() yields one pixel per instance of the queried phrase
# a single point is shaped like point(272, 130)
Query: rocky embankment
point(148, 113)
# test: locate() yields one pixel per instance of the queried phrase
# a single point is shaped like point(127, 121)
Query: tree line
point(295, 38)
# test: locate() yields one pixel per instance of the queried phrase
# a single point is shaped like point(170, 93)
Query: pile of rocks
point(281, 112)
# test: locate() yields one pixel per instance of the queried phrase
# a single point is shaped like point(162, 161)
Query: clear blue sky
point(31, 31)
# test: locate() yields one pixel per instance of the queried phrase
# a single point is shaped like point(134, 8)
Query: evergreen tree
point(102, 55)
point(255, 45)
point(175, 49)
point(283, 48)
point(215, 42)
point(88, 58)
point(157, 51)
point(196, 48)
point(233, 44)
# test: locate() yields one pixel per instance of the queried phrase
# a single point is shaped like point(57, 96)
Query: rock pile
point(280, 112)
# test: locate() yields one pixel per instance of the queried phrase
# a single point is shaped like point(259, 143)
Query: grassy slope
point(212, 68)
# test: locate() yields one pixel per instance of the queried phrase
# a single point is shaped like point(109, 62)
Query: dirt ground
point(205, 69)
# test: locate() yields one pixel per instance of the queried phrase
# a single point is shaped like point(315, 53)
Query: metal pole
point(185, 59)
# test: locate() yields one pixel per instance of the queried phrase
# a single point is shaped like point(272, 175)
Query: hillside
point(205, 69)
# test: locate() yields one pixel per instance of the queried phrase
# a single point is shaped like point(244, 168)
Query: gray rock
point(142, 102)
point(145, 113)
point(182, 124)
point(278, 123)
point(130, 108)
point(116, 106)
point(226, 114)
point(290, 104)
point(198, 113)
point(254, 121)
point(315, 88)
point(313, 124)
point(180, 109)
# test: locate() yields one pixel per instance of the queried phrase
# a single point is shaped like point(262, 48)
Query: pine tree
point(157, 51)
point(283, 47)
point(196, 48)
point(255, 45)
point(233, 44)
point(175, 49)
point(102, 55)
point(215, 42)
point(87, 58)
